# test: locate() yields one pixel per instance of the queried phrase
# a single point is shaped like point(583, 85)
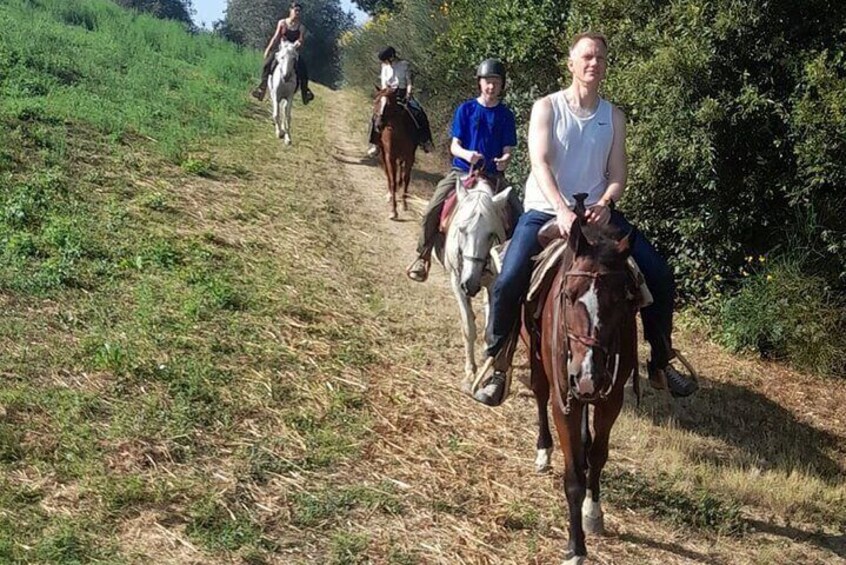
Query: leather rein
point(611, 351)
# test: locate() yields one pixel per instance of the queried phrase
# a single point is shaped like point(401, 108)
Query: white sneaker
point(372, 151)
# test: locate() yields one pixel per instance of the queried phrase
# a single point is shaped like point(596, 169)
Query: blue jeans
point(513, 283)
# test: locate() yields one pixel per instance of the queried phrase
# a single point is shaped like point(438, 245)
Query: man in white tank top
point(577, 144)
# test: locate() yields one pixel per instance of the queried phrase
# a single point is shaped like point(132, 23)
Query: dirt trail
point(464, 472)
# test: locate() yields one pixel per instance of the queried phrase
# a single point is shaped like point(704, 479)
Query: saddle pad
point(546, 260)
point(448, 210)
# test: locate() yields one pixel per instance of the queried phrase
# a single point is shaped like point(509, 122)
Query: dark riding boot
point(302, 74)
point(266, 70)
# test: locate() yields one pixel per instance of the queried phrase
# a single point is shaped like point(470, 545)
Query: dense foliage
point(179, 10)
point(736, 114)
point(374, 7)
point(252, 23)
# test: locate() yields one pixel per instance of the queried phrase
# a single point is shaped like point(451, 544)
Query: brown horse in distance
point(397, 144)
point(583, 350)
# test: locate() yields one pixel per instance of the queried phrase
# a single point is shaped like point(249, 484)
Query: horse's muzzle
point(471, 288)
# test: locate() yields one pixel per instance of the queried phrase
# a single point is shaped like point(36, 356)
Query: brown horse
point(587, 328)
point(397, 144)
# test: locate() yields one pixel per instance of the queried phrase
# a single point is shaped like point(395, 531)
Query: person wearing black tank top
point(292, 30)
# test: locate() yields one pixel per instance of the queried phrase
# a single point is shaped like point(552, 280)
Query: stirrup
point(415, 274)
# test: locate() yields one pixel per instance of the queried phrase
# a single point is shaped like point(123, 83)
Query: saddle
point(451, 202)
point(547, 261)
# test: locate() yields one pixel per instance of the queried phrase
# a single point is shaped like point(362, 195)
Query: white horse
point(282, 84)
point(476, 227)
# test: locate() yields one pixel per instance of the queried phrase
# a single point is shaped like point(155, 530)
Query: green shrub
point(784, 312)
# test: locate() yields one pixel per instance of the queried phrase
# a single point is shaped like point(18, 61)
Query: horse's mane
point(476, 205)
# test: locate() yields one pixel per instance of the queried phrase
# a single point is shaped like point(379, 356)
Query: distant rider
point(292, 30)
point(397, 75)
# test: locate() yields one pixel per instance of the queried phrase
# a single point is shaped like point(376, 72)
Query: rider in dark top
point(292, 30)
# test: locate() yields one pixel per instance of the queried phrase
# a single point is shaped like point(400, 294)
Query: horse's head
point(286, 58)
point(600, 296)
point(478, 225)
point(385, 105)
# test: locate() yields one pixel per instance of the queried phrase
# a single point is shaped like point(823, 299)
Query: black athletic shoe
point(678, 384)
point(492, 392)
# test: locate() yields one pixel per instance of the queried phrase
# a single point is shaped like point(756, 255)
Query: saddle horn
point(580, 205)
point(577, 241)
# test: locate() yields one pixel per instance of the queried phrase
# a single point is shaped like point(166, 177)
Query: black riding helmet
point(387, 53)
point(491, 68)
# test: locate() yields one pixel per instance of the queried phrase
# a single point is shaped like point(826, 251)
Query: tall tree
point(179, 10)
point(374, 7)
point(254, 21)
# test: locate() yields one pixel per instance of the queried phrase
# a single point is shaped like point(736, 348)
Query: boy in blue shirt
point(482, 129)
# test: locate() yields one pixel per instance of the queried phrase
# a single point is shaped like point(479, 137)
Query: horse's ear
point(577, 241)
point(624, 246)
point(501, 198)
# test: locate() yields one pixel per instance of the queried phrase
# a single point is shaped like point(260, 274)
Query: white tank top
point(580, 151)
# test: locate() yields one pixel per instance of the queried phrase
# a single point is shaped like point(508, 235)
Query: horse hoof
point(571, 559)
point(467, 386)
point(593, 520)
point(404, 206)
point(393, 216)
point(594, 525)
point(543, 462)
point(287, 140)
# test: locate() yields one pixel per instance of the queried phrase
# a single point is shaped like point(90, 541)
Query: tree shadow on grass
point(769, 436)
point(836, 543)
point(667, 548)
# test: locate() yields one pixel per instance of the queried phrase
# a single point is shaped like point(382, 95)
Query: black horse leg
point(574, 479)
point(540, 386)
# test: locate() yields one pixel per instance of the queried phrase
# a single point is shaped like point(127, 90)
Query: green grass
point(660, 496)
point(161, 327)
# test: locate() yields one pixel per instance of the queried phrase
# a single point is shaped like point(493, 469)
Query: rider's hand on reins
point(564, 220)
point(502, 162)
point(598, 214)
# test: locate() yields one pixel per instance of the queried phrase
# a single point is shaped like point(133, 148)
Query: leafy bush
point(785, 312)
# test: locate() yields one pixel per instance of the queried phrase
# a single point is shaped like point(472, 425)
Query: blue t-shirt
point(482, 129)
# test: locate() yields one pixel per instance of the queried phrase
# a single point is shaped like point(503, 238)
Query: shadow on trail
point(835, 543)
point(769, 436)
point(674, 549)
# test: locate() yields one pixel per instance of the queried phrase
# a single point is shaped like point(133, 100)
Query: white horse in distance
point(476, 227)
point(282, 84)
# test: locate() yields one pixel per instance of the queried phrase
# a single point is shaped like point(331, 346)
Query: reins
point(611, 350)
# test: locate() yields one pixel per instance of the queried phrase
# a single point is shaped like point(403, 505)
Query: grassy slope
point(157, 297)
point(208, 355)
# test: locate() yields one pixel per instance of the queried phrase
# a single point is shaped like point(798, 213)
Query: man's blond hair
point(588, 35)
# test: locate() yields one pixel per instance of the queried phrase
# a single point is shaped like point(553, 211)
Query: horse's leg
point(540, 386)
point(391, 172)
point(277, 111)
point(468, 329)
point(575, 484)
point(406, 180)
point(289, 102)
point(604, 416)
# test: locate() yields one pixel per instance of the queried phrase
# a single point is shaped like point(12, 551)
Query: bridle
point(610, 350)
point(477, 172)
